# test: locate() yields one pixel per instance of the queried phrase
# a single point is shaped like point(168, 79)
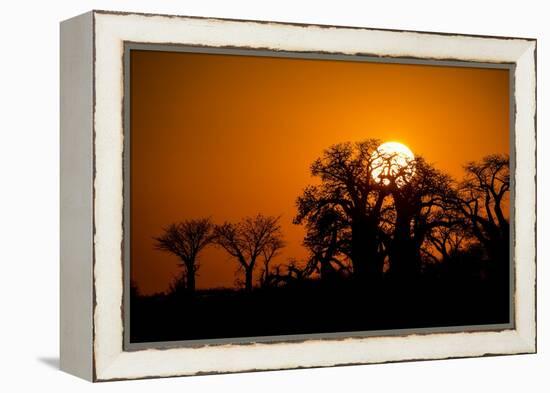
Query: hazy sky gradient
point(229, 136)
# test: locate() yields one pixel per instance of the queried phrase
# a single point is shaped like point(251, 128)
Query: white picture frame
point(92, 195)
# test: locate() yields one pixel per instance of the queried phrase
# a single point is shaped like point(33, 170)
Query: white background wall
point(29, 204)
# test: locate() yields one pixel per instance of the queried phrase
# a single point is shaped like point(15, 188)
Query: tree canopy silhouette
point(248, 240)
point(186, 240)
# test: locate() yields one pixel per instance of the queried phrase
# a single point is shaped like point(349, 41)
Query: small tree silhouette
point(248, 239)
point(186, 240)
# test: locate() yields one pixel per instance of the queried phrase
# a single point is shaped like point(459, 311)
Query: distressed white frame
point(110, 31)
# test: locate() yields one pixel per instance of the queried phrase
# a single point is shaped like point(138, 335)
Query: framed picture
point(246, 195)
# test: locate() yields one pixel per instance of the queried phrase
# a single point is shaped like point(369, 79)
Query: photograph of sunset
point(274, 196)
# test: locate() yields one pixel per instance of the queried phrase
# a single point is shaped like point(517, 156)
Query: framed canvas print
point(246, 195)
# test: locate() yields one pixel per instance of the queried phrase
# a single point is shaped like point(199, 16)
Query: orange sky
point(225, 136)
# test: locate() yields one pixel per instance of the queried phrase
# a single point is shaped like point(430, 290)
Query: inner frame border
point(260, 52)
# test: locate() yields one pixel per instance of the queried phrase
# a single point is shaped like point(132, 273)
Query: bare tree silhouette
point(348, 188)
point(447, 241)
point(186, 240)
point(248, 239)
point(270, 251)
point(328, 241)
point(482, 197)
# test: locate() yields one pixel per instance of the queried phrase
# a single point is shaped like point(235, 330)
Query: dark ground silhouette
point(442, 297)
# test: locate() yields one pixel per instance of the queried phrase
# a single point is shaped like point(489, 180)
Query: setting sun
point(389, 159)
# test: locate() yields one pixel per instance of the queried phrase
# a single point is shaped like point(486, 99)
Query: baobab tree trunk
point(358, 251)
point(190, 278)
point(326, 270)
point(407, 239)
point(364, 252)
point(404, 252)
point(404, 259)
point(399, 250)
point(248, 279)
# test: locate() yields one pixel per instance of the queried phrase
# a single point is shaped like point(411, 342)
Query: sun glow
point(392, 160)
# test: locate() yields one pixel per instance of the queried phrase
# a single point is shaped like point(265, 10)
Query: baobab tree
point(421, 195)
point(248, 239)
point(186, 240)
point(328, 241)
point(350, 190)
point(483, 199)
